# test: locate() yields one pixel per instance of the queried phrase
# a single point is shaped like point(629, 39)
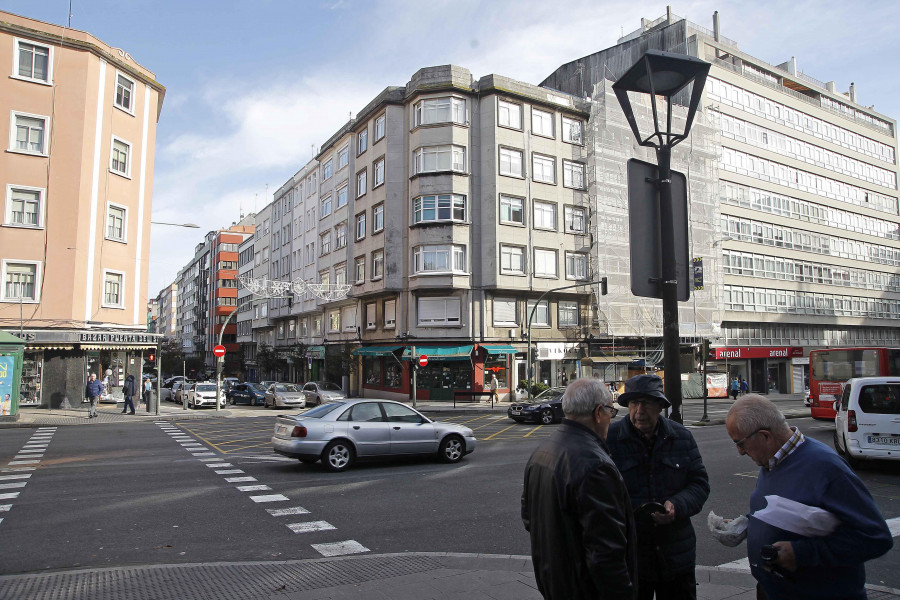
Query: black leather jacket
point(672, 471)
point(576, 508)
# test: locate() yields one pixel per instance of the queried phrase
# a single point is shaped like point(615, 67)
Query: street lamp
point(665, 74)
point(188, 225)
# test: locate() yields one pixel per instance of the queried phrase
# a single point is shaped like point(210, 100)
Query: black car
point(247, 393)
point(545, 408)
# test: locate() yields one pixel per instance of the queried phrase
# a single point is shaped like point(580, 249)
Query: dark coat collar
point(578, 426)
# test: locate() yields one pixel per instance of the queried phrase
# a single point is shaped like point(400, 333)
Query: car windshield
point(327, 386)
point(551, 394)
point(206, 387)
point(256, 388)
point(322, 410)
point(286, 387)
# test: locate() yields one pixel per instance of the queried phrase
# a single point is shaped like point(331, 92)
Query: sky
point(253, 86)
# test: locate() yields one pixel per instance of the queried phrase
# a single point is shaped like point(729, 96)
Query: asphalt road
point(141, 494)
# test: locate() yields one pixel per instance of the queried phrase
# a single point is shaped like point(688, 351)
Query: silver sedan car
point(338, 433)
point(285, 394)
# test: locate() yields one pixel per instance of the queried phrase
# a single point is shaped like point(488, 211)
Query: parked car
point(339, 433)
point(545, 408)
point(247, 393)
point(203, 394)
point(266, 384)
point(867, 424)
point(228, 383)
point(317, 392)
point(180, 390)
point(285, 394)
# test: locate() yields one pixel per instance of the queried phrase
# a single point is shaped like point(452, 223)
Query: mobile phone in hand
point(649, 508)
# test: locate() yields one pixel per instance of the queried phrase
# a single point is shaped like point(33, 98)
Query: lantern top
point(662, 73)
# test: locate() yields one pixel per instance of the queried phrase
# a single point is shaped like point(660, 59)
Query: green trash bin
point(12, 352)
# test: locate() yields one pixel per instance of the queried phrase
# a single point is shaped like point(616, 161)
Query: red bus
point(830, 369)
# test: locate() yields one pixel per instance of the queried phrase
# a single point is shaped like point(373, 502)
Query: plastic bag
point(727, 532)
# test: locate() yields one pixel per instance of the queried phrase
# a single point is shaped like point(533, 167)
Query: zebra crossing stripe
point(12, 495)
point(283, 512)
point(5, 507)
point(12, 485)
point(310, 526)
point(253, 488)
point(8, 477)
point(270, 498)
point(239, 479)
point(229, 472)
point(340, 548)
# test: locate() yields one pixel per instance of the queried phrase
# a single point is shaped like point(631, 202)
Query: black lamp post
point(665, 74)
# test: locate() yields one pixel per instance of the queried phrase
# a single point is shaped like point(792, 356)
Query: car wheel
point(338, 456)
point(308, 461)
point(547, 417)
point(837, 446)
point(452, 449)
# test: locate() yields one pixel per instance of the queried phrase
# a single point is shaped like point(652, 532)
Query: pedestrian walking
point(791, 559)
point(92, 392)
point(575, 506)
point(493, 386)
point(745, 386)
point(735, 388)
point(668, 484)
point(129, 390)
point(148, 389)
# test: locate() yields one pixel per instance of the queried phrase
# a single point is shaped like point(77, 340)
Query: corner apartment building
point(77, 180)
point(167, 316)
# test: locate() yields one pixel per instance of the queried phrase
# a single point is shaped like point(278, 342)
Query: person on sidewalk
point(805, 471)
point(745, 386)
point(494, 384)
point(148, 389)
point(660, 463)
point(576, 508)
point(129, 389)
point(92, 392)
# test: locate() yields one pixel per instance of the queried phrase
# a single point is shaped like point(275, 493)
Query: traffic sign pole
point(219, 352)
point(412, 352)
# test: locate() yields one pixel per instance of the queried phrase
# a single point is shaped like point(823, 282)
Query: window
point(340, 274)
point(446, 207)
point(302, 327)
point(378, 169)
point(317, 325)
point(29, 134)
point(509, 114)
point(573, 175)
point(568, 314)
point(439, 311)
point(370, 315)
point(360, 226)
point(572, 131)
point(21, 280)
point(541, 315)
point(327, 169)
point(511, 162)
point(505, 312)
point(326, 206)
point(325, 243)
point(541, 122)
point(379, 127)
point(544, 215)
point(113, 289)
point(359, 266)
point(120, 159)
point(340, 235)
point(325, 277)
point(440, 110)
point(512, 260)
point(24, 206)
point(33, 61)
point(378, 264)
point(443, 258)
point(362, 141)
point(342, 197)
point(361, 183)
point(512, 210)
point(575, 219)
point(576, 265)
point(377, 218)
point(431, 159)
point(543, 168)
point(115, 222)
point(390, 313)
point(124, 93)
point(544, 263)
point(343, 157)
point(334, 321)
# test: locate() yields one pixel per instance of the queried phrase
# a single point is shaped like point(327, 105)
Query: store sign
point(119, 338)
point(553, 350)
point(763, 352)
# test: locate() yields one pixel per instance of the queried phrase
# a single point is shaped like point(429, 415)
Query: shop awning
point(315, 352)
point(441, 352)
point(598, 360)
point(376, 350)
point(498, 348)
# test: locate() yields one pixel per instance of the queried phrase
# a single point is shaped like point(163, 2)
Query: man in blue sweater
point(92, 392)
point(804, 470)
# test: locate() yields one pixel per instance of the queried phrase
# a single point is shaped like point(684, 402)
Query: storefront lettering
point(762, 352)
point(127, 338)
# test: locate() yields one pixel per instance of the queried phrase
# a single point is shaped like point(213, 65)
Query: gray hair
point(753, 412)
point(583, 396)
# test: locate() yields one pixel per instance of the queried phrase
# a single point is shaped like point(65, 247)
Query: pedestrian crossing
point(17, 473)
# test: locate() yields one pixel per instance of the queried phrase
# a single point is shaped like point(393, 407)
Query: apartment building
point(77, 180)
point(167, 316)
point(243, 317)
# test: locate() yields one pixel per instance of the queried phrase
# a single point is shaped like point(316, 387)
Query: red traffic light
point(151, 357)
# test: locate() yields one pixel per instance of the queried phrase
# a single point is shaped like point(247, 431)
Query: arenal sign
point(761, 352)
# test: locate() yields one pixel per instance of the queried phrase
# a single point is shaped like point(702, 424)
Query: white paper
point(729, 532)
point(796, 517)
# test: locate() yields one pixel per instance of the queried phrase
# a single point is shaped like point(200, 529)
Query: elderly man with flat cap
point(667, 482)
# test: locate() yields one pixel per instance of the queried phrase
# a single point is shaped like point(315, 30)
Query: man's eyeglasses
point(611, 410)
point(740, 443)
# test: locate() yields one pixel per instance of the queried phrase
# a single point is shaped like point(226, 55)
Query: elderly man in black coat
point(129, 389)
point(668, 484)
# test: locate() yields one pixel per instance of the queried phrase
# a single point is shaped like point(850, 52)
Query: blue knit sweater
point(829, 566)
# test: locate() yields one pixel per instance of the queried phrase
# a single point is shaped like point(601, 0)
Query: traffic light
point(603, 286)
point(151, 357)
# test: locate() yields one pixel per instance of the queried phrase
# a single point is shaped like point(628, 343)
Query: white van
point(867, 424)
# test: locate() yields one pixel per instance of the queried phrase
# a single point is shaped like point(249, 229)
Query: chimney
point(852, 91)
point(792, 66)
point(830, 86)
point(669, 15)
point(716, 26)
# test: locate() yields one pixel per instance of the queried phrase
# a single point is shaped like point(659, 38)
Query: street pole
point(183, 381)
point(414, 363)
point(704, 347)
point(220, 360)
point(158, 375)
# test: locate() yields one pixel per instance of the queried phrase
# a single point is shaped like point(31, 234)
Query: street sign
point(423, 361)
point(643, 218)
point(219, 351)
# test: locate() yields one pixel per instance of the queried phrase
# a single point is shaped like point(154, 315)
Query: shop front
point(766, 369)
point(558, 363)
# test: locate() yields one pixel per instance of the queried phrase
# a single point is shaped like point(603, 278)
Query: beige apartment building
point(77, 183)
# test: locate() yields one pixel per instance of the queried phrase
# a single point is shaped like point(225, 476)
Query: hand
point(668, 516)
point(787, 560)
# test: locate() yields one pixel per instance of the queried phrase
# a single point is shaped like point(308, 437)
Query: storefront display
point(30, 388)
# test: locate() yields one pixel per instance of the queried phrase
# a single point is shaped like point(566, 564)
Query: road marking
point(11, 469)
point(5, 507)
point(215, 465)
point(24, 462)
point(14, 484)
point(7, 477)
point(270, 498)
point(9, 496)
point(253, 488)
point(340, 548)
point(239, 479)
point(499, 432)
point(532, 431)
point(30, 445)
point(210, 459)
point(283, 512)
point(310, 526)
point(186, 444)
point(894, 526)
point(204, 453)
point(229, 471)
point(742, 564)
point(38, 451)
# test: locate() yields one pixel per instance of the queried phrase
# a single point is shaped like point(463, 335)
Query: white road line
point(340, 548)
point(24, 462)
point(32, 452)
point(11, 469)
point(210, 459)
point(11, 495)
point(253, 488)
point(239, 479)
point(216, 465)
point(742, 564)
point(283, 512)
point(14, 484)
point(204, 453)
point(229, 472)
point(270, 498)
point(7, 477)
point(310, 526)
point(186, 444)
point(894, 526)
point(5, 507)
point(30, 445)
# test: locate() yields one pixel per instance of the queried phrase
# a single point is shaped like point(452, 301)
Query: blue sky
point(253, 85)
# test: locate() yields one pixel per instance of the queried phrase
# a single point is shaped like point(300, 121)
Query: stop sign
point(219, 351)
point(423, 361)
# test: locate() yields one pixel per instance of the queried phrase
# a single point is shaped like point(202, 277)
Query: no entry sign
point(423, 361)
point(219, 351)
